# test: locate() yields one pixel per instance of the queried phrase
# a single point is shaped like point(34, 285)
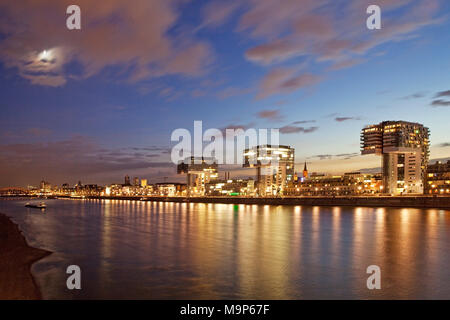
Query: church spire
point(305, 172)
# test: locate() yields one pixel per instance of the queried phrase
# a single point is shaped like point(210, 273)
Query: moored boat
point(40, 205)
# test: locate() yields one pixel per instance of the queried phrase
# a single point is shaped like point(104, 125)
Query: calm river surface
point(162, 250)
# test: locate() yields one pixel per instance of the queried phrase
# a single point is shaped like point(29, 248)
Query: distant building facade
point(438, 178)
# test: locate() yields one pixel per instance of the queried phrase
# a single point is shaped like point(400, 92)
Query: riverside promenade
point(433, 202)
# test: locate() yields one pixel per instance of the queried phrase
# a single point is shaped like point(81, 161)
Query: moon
point(45, 55)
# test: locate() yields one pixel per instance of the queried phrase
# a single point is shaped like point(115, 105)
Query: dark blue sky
point(105, 99)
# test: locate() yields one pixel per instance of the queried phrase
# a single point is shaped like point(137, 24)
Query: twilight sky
point(101, 102)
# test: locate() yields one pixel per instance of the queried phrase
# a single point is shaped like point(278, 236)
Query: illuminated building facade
point(235, 187)
point(349, 184)
point(404, 147)
point(198, 172)
point(45, 186)
point(275, 167)
point(169, 189)
point(438, 178)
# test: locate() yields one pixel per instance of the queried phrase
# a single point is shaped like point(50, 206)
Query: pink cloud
point(276, 51)
point(273, 115)
point(282, 80)
point(326, 31)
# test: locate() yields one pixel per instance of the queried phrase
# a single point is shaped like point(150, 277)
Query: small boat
point(41, 205)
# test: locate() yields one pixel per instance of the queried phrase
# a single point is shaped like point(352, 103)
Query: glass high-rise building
point(275, 167)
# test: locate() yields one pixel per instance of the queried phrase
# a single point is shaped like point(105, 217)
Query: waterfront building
point(275, 167)
point(45, 186)
point(136, 181)
point(438, 178)
point(143, 183)
point(404, 147)
point(231, 187)
point(199, 172)
point(114, 190)
point(127, 181)
point(66, 189)
point(89, 190)
point(348, 184)
point(169, 189)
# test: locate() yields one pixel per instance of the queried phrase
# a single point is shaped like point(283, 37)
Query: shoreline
point(380, 201)
point(16, 259)
point(420, 202)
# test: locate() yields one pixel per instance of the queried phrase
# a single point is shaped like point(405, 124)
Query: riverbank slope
point(16, 258)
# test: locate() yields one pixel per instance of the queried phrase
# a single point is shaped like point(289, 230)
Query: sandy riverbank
point(16, 258)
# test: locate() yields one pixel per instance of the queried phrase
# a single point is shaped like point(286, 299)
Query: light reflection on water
point(149, 250)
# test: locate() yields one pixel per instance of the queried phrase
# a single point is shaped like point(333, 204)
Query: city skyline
point(83, 110)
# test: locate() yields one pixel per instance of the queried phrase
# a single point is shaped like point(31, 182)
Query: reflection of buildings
point(198, 172)
point(275, 167)
point(404, 150)
point(438, 178)
point(354, 183)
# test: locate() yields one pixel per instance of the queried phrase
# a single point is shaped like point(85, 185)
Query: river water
point(163, 250)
